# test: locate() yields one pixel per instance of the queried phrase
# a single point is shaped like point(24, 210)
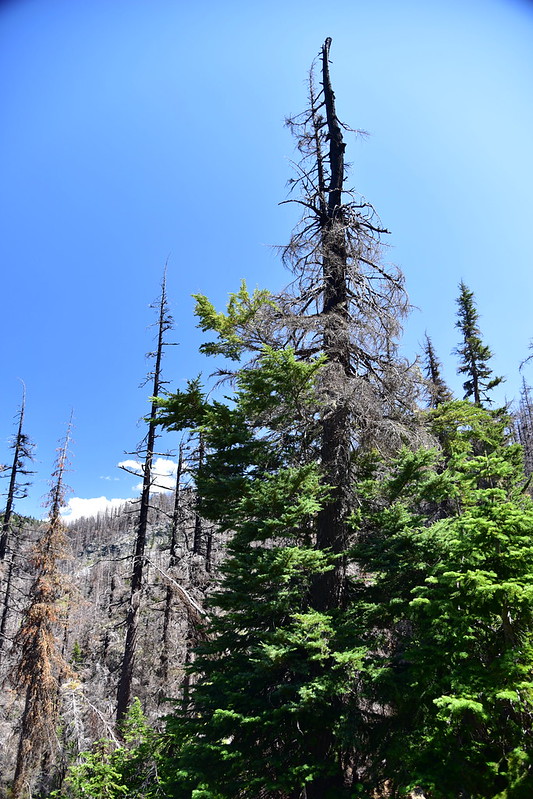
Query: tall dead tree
point(524, 425)
point(22, 452)
point(176, 522)
point(124, 690)
point(199, 545)
point(10, 535)
point(348, 306)
point(41, 666)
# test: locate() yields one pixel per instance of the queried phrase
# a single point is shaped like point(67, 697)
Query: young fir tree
point(475, 355)
point(41, 666)
point(319, 383)
point(109, 771)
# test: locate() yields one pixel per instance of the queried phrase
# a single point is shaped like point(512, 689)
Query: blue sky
point(136, 131)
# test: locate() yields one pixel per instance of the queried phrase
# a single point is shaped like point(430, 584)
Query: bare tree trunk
point(21, 450)
point(198, 540)
point(6, 601)
point(335, 447)
point(124, 689)
point(172, 560)
point(209, 549)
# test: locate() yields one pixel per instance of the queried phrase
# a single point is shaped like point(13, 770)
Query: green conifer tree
point(437, 389)
point(474, 355)
point(448, 676)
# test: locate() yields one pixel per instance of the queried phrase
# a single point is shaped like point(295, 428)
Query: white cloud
point(77, 507)
point(131, 466)
point(163, 474)
point(164, 479)
point(111, 479)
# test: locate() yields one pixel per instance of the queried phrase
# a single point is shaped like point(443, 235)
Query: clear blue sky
point(134, 131)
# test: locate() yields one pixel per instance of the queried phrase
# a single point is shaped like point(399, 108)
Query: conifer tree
point(437, 388)
point(446, 684)
point(41, 666)
point(474, 355)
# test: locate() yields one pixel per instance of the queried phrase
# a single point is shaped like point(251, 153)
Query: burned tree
point(347, 305)
point(175, 524)
point(10, 535)
point(22, 452)
point(523, 420)
point(41, 666)
point(124, 690)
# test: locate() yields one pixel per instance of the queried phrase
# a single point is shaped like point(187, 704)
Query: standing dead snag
point(176, 521)
point(22, 451)
point(41, 667)
point(347, 305)
point(124, 692)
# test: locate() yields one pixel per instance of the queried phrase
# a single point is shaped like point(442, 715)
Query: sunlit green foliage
point(109, 771)
point(233, 327)
point(448, 612)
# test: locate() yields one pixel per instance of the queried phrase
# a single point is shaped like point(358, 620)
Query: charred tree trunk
point(172, 561)
point(335, 447)
point(198, 547)
point(21, 451)
point(6, 601)
point(124, 689)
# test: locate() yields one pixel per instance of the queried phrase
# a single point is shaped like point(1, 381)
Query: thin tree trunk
point(198, 540)
point(7, 596)
point(19, 452)
point(124, 689)
point(172, 560)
